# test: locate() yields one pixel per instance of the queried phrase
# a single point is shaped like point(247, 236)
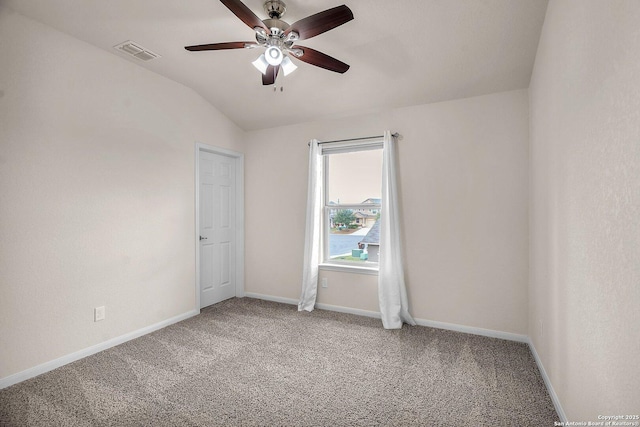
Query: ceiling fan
point(280, 38)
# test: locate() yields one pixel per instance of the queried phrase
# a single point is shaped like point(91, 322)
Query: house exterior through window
point(352, 203)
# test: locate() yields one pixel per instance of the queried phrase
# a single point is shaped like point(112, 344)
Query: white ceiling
point(402, 52)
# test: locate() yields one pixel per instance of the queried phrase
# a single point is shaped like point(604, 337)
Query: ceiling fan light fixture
point(296, 52)
point(288, 66)
point(261, 64)
point(273, 55)
point(292, 36)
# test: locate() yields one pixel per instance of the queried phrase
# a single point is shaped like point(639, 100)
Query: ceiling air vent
point(136, 51)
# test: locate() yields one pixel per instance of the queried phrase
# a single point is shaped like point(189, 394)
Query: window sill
point(348, 268)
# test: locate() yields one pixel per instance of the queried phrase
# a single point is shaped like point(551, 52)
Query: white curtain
point(392, 292)
point(313, 230)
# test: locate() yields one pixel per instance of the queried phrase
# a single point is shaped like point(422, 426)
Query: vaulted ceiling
point(401, 53)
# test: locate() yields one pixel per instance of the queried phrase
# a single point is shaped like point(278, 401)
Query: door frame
point(239, 220)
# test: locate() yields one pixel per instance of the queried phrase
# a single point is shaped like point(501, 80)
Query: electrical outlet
point(98, 314)
point(324, 282)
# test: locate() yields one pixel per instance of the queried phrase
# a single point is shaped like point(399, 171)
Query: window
point(352, 202)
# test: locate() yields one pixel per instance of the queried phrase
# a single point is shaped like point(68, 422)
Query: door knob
point(203, 238)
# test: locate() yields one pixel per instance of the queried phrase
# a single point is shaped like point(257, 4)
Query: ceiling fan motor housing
point(275, 8)
point(276, 23)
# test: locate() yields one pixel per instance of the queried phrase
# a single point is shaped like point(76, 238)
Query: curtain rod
point(395, 135)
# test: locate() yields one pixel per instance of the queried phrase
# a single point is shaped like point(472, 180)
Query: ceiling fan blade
point(220, 46)
point(245, 14)
point(269, 77)
point(319, 59)
point(321, 22)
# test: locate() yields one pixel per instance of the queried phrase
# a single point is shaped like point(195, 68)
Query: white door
point(217, 228)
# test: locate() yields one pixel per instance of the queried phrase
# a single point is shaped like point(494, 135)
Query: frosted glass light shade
point(273, 55)
point(288, 66)
point(261, 64)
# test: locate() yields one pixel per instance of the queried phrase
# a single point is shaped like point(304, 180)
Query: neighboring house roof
point(371, 201)
point(364, 215)
point(373, 236)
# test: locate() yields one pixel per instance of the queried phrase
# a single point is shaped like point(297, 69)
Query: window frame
point(364, 267)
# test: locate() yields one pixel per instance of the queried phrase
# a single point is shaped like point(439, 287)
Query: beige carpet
point(250, 362)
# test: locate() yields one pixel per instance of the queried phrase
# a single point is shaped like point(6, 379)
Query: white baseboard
point(422, 322)
point(356, 311)
point(271, 298)
point(320, 306)
point(61, 361)
point(509, 336)
point(547, 383)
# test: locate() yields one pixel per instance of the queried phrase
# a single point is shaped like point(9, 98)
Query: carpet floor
point(250, 362)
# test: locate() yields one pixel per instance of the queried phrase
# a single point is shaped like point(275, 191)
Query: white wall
point(585, 205)
point(97, 189)
point(464, 186)
point(96, 193)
